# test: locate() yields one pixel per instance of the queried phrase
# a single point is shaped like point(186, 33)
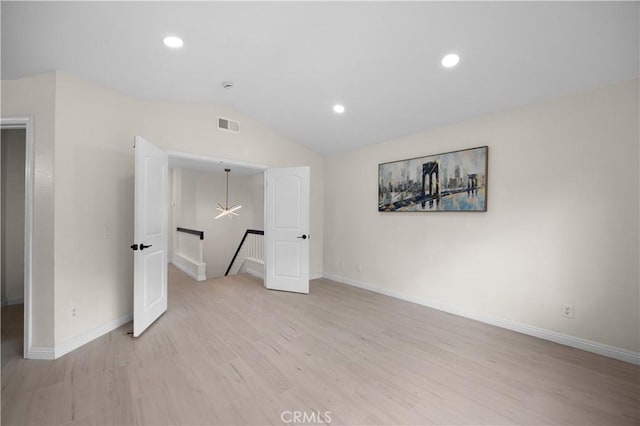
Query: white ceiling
point(291, 61)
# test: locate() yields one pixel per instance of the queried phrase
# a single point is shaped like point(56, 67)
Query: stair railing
point(251, 250)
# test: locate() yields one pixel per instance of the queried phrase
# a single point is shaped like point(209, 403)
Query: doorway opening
point(205, 247)
point(286, 223)
point(16, 218)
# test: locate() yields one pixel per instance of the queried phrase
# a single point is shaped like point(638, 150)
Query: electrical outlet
point(359, 267)
point(341, 264)
point(567, 310)
point(74, 312)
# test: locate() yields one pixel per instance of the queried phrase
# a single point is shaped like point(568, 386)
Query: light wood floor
point(229, 352)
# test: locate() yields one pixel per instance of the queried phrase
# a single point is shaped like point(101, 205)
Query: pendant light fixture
point(226, 210)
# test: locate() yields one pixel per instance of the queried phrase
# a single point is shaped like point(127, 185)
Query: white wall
point(35, 96)
point(186, 193)
point(561, 227)
point(93, 206)
point(91, 210)
point(196, 202)
point(13, 142)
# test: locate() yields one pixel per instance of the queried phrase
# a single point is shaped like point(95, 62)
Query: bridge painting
point(452, 181)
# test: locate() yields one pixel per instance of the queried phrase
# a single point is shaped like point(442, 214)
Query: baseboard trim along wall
point(75, 342)
point(553, 336)
point(195, 270)
point(255, 273)
point(38, 352)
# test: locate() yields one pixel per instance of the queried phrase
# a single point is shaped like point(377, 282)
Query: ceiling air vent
point(228, 125)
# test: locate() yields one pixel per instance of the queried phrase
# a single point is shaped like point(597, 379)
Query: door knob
point(303, 236)
point(142, 246)
point(134, 246)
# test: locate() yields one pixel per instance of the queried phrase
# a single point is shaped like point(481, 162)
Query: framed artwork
point(450, 182)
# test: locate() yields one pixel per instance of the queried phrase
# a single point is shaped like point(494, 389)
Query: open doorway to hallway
point(12, 241)
point(201, 245)
point(286, 219)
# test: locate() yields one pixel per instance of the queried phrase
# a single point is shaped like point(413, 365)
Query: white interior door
point(150, 234)
point(286, 232)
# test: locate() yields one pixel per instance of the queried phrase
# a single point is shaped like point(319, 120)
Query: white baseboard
point(553, 336)
point(195, 270)
point(253, 267)
point(76, 342)
point(260, 274)
point(315, 275)
point(40, 352)
point(255, 273)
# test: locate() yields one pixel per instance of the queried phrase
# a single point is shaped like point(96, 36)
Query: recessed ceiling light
point(338, 109)
point(173, 42)
point(450, 60)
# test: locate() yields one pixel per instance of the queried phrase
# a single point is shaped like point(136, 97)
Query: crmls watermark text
point(305, 417)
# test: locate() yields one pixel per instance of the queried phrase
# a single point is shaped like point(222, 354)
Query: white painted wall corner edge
point(553, 336)
point(75, 342)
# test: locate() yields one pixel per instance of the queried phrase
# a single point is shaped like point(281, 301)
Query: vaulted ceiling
point(292, 61)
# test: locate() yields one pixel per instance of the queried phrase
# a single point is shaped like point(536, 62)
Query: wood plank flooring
point(229, 352)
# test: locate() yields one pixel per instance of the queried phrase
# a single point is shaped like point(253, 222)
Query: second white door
point(286, 232)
